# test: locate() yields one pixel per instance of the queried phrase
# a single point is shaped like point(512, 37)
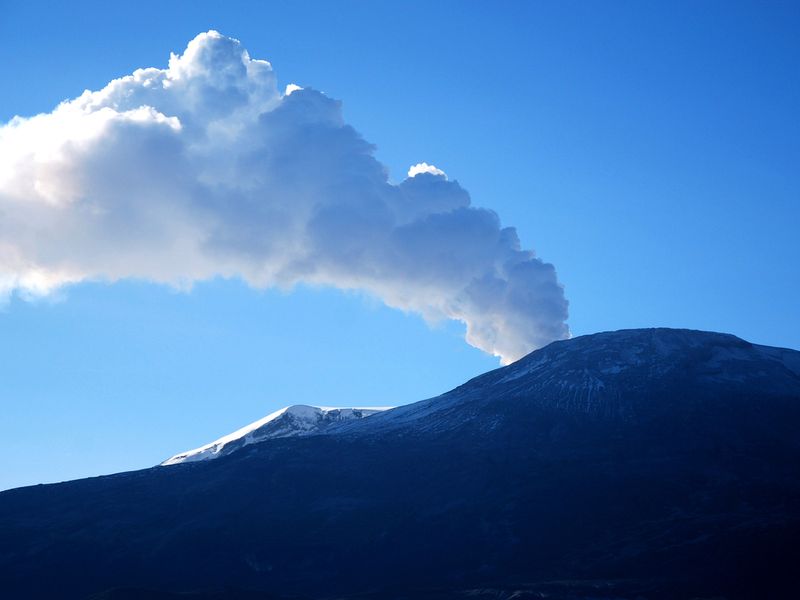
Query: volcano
point(651, 463)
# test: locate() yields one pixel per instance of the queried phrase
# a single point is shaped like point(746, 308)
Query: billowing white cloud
point(205, 169)
point(424, 167)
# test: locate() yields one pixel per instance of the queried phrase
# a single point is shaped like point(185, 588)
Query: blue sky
point(648, 150)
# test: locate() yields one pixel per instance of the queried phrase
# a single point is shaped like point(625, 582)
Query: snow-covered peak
point(291, 421)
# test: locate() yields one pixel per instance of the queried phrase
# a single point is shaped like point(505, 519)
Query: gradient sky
point(650, 151)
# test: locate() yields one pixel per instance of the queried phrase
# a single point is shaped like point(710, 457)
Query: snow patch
point(291, 421)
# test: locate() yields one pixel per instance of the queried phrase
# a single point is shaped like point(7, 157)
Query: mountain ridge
point(613, 361)
point(702, 356)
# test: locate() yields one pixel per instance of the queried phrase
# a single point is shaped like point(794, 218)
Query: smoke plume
point(207, 169)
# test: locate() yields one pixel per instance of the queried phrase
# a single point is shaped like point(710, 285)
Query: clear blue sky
point(649, 150)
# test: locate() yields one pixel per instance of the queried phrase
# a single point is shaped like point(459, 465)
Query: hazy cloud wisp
point(207, 169)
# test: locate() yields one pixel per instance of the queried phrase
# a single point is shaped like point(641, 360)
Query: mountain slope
point(635, 464)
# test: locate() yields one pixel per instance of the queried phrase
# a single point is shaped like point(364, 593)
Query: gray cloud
point(206, 169)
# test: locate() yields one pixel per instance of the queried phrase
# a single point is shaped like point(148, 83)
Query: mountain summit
point(651, 463)
point(634, 375)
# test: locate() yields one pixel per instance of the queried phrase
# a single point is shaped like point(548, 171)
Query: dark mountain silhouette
point(635, 464)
